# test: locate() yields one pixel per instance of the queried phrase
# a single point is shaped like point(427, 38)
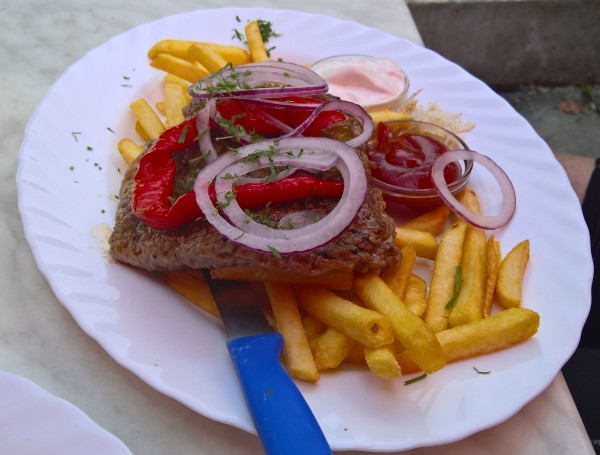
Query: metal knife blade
point(283, 420)
point(240, 306)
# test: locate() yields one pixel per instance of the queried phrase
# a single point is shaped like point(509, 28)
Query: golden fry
point(129, 150)
point(424, 243)
point(397, 277)
point(207, 56)
point(492, 265)
point(297, 354)
point(382, 362)
point(415, 297)
point(443, 279)
point(510, 275)
point(387, 115)
point(500, 331)
point(256, 46)
point(366, 326)
point(189, 71)
point(147, 117)
point(194, 288)
point(173, 79)
point(139, 129)
point(179, 48)
point(331, 348)
point(175, 101)
point(433, 221)
point(468, 307)
point(409, 329)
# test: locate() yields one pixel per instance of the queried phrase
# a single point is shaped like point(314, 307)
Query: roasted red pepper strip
point(256, 118)
point(155, 179)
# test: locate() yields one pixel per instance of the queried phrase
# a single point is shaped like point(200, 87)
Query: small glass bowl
point(351, 62)
point(418, 199)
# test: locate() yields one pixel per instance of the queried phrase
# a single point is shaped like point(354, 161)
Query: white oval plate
point(67, 202)
point(33, 421)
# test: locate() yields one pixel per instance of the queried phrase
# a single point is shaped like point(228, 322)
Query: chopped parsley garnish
point(229, 196)
point(74, 134)
point(110, 129)
point(481, 372)
point(274, 251)
point(89, 148)
point(184, 130)
point(457, 284)
point(417, 379)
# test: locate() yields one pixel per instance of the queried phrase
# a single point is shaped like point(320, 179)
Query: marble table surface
point(39, 339)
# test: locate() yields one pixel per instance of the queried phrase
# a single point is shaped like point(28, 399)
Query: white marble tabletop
point(39, 339)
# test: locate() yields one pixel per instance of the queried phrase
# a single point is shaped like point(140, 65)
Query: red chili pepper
point(257, 119)
point(155, 179)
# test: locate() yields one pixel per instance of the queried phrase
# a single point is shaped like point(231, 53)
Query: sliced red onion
point(509, 198)
point(299, 219)
point(344, 106)
point(260, 79)
point(241, 228)
point(203, 120)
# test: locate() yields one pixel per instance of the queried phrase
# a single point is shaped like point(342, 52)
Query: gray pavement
point(567, 117)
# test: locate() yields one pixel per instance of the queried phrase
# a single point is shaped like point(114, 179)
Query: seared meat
point(366, 244)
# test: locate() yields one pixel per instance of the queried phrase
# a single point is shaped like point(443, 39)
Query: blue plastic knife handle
point(283, 420)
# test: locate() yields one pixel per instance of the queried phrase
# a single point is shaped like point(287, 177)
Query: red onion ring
point(241, 228)
point(260, 79)
point(509, 197)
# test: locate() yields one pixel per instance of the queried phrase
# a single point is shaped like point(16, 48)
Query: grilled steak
point(366, 244)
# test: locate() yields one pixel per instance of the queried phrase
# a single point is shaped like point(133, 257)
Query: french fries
point(368, 327)
point(256, 45)
point(468, 306)
point(129, 150)
point(148, 119)
point(397, 277)
point(415, 296)
point(180, 49)
point(382, 362)
point(500, 331)
point(207, 56)
point(433, 221)
point(331, 348)
point(194, 288)
point(492, 264)
point(191, 71)
point(424, 243)
point(296, 350)
point(409, 329)
point(443, 280)
point(510, 275)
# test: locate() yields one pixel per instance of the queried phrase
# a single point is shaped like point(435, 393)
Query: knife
point(283, 420)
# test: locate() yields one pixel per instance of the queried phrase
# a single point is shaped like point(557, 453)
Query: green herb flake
point(89, 148)
point(274, 251)
point(481, 372)
point(74, 134)
point(229, 196)
point(417, 379)
point(457, 285)
point(183, 134)
point(110, 129)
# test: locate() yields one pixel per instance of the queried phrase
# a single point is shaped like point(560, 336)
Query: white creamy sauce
point(367, 81)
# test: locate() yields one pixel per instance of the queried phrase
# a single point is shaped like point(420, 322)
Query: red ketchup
point(405, 160)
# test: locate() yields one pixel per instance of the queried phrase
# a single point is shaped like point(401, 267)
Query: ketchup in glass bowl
point(403, 153)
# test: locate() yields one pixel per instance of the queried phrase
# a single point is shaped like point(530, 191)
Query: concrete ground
point(567, 117)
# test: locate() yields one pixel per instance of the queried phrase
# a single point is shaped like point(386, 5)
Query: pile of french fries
point(391, 321)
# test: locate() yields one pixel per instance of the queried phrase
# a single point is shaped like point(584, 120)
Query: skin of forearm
point(579, 170)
